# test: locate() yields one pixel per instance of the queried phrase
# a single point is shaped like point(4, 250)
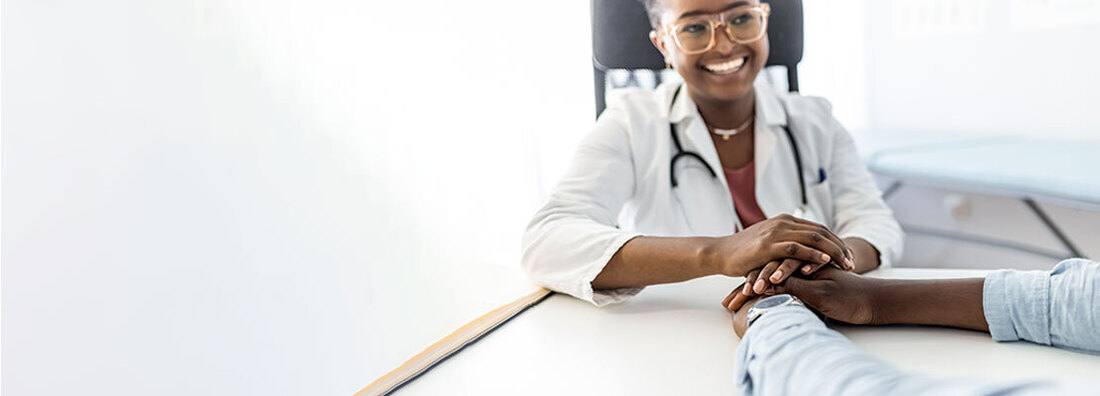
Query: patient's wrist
point(939, 302)
point(882, 300)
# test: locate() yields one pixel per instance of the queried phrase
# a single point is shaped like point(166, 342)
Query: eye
point(741, 19)
point(693, 28)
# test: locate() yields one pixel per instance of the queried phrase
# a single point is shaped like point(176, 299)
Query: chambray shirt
point(1059, 308)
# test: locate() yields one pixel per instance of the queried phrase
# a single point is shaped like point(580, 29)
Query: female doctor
point(719, 174)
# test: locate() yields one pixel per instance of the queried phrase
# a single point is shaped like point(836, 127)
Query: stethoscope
point(681, 153)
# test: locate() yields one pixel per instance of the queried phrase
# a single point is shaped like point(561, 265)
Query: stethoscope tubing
point(681, 153)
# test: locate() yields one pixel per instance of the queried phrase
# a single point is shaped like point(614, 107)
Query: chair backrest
point(620, 40)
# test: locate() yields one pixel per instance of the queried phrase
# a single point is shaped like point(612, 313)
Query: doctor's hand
point(777, 247)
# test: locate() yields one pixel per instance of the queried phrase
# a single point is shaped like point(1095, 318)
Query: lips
point(727, 67)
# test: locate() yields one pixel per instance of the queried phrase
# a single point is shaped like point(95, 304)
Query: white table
point(677, 339)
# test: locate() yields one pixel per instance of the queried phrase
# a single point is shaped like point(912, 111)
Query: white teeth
point(726, 67)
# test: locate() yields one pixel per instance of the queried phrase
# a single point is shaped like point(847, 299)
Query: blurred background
point(282, 197)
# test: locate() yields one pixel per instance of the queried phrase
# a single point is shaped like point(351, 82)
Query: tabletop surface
point(675, 338)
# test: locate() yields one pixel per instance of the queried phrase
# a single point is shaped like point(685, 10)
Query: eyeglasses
point(742, 25)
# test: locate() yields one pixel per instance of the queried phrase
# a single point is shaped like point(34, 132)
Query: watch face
point(773, 301)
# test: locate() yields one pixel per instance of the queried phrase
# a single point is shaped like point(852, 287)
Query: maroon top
point(742, 184)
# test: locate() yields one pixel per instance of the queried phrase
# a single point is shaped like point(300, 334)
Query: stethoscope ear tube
point(798, 166)
point(680, 153)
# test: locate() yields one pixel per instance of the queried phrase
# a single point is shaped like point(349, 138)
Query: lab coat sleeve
point(571, 238)
point(857, 201)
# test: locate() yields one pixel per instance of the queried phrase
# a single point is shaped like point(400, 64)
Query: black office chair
point(620, 42)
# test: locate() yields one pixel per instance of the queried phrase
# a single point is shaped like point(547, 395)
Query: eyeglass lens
point(742, 25)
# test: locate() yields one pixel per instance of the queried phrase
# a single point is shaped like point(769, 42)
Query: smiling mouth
point(727, 67)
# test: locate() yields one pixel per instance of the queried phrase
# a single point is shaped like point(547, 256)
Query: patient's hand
point(740, 317)
point(837, 294)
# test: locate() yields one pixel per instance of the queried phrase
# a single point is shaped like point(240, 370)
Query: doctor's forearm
point(647, 261)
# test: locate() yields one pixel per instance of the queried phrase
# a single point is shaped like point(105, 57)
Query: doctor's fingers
point(733, 293)
point(761, 283)
point(818, 231)
point(837, 251)
point(736, 299)
point(796, 250)
point(810, 268)
point(740, 289)
point(742, 293)
point(819, 236)
point(784, 271)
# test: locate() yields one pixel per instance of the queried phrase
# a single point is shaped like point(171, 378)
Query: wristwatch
point(771, 303)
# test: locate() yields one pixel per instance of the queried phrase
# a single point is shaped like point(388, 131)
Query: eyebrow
point(703, 12)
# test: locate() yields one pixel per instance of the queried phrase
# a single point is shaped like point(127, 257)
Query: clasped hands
point(828, 289)
point(836, 294)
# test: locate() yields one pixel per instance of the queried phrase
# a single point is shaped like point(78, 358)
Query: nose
point(723, 41)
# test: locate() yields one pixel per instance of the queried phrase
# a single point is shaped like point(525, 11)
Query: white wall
point(269, 197)
point(834, 59)
point(984, 67)
point(977, 67)
point(901, 69)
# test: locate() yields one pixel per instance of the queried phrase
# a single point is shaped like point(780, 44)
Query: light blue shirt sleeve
point(1060, 307)
point(789, 351)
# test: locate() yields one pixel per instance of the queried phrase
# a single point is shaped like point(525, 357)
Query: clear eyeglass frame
point(717, 20)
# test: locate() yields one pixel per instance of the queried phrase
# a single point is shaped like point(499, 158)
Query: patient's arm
point(856, 299)
point(1060, 307)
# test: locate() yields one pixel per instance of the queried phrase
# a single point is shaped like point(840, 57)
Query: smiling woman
point(614, 224)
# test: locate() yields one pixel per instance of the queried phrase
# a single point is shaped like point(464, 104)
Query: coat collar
point(771, 116)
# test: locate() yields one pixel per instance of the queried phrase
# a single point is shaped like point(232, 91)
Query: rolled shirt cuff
point(1017, 305)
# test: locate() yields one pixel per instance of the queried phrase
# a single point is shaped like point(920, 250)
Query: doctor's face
point(716, 64)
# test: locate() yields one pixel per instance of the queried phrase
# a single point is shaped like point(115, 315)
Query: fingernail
point(777, 276)
point(805, 269)
point(745, 290)
point(760, 286)
point(825, 258)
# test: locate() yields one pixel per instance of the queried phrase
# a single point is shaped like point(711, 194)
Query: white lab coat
point(618, 186)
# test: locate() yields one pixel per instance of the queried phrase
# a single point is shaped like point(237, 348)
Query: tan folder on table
point(452, 343)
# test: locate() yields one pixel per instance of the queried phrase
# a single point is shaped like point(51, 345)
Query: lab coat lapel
point(687, 119)
point(764, 142)
point(776, 179)
point(705, 200)
point(700, 139)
